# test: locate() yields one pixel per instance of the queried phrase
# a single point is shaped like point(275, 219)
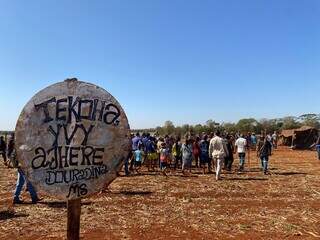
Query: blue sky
point(179, 60)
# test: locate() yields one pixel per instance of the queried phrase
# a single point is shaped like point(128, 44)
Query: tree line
point(243, 125)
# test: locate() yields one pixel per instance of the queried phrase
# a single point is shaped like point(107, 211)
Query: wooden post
point(74, 212)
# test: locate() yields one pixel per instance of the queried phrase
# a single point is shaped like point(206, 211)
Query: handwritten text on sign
point(71, 153)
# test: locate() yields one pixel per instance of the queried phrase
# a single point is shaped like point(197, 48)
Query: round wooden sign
point(71, 139)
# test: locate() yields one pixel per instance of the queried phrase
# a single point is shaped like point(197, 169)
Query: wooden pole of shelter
point(73, 224)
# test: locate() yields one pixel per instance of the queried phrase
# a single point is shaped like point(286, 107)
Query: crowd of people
point(212, 152)
point(209, 152)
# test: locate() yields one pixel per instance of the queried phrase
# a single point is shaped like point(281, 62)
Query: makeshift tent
point(300, 138)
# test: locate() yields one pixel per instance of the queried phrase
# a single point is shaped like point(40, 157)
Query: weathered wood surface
point(71, 139)
point(73, 223)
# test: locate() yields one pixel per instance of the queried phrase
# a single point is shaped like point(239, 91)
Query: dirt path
point(283, 205)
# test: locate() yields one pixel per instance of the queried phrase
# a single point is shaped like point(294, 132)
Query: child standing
point(138, 156)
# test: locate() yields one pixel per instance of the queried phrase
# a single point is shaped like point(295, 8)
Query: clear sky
point(182, 60)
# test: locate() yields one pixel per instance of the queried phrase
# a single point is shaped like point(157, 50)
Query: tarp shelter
point(300, 138)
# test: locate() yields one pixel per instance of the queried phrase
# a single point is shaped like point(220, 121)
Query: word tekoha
point(68, 108)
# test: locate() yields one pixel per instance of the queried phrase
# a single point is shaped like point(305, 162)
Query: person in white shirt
point(241, 145)
point(218, 150)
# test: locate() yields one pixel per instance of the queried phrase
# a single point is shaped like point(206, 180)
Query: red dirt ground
point(283, 205)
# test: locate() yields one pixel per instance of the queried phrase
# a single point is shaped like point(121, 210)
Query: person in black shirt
point(229, 159)
point(264, 150)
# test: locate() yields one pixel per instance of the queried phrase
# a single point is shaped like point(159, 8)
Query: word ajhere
point(67, 108)
point(75, 175)
point(64, 156)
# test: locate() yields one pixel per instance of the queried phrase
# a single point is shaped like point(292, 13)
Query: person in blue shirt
point(138, 157)
point(136, 143)
point(253, 140)
point(21, 180)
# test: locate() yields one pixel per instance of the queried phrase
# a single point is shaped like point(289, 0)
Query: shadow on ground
point(135, 193)
point(57, 204)
point(289, 173)
point(245, 179)
point(6, 215)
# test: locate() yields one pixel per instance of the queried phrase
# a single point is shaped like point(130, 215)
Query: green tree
point(269, 125)
point(311, 119)
point(247, 125)
point(211, 125)
point(185, 129)
point(229, 127)
point(290, 122)
point(168, 128)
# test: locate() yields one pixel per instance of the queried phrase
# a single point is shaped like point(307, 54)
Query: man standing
point(229, 158)
point(241, 145)
point(21, 177)
point(264, 151)
point(218, 151)
point(253, 141)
